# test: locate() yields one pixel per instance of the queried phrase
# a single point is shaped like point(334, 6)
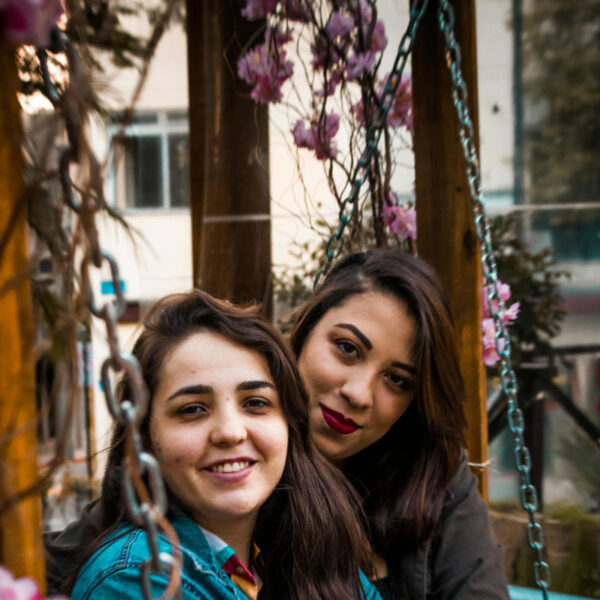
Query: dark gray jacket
point(462, 561)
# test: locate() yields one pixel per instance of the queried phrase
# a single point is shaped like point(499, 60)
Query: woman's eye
point(347, 348)
point(399, 381)
point(190, 410)
point(256, 403)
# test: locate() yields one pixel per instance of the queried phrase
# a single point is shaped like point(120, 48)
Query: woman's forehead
point(211, 355)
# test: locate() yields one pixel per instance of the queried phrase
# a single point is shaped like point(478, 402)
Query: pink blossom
point(378, 41)
point(29, 21)
point(332, 83)
point(358, 110)
point(266, 70)
point(504, 291)
point(400, 221)
point(511, 313)
point(400, 113)
point(258, 9)
point(490, 352)
point(359, 63)
point(340, 24)
point(319, 139)
point(324, 52)
point(24, 588)
point(375, 40)
point(363, 11)
point(319, 53)
point(297, 10)
point(304, 138)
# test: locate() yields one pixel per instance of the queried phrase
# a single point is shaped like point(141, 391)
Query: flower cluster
point(28, 21)
point(401, 221)
point(19, 589)
point(265, 67)
point(400, 111)
point(319, 136)
point(350, 43)
point(346, 45)
point(509, 314)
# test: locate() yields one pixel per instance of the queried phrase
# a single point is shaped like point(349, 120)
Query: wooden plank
point(20, 526)
point(446, 233)
point(228, 159)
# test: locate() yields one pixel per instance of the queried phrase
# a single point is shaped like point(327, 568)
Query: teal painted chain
point(363, 167)
point(528, 494)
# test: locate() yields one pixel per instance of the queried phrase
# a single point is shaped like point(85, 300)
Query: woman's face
point(218, 430)
point(358, 366)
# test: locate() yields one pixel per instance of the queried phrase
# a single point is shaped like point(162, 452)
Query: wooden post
point(446, 232)
point(231, 229)
point(21, 548)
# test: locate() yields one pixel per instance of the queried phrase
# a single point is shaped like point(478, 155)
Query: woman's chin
point(331, 445)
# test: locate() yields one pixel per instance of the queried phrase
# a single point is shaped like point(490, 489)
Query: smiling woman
point(219, 434)
point(258, 512)
point(377, 348)
point(350, 357)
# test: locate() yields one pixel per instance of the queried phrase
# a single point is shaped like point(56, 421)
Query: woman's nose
point(357, 390)
point(227, 428)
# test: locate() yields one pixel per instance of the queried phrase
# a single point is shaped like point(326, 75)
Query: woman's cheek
point(274, 438)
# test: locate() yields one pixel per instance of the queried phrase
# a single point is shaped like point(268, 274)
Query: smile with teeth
point(231, 467)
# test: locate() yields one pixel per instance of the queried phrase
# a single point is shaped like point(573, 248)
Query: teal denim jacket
point(113, 571)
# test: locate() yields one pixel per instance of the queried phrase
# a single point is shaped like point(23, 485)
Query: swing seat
point(521, 593)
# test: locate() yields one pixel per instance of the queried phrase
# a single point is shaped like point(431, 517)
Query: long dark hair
point(402, 477)
point(311, 543)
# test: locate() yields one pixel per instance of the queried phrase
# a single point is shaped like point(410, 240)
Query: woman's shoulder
point(114, 570)
point(462, 487)
point(114, 564)
point(466, 560)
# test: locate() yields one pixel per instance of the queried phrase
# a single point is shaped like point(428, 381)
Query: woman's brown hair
point(403, 476)
point(310, 541)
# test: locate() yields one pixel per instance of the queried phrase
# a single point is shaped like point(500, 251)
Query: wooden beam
point(21, 548)
point(231, 230)
point(446, 232)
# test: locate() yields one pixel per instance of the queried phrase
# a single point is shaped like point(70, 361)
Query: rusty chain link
point(147, 505)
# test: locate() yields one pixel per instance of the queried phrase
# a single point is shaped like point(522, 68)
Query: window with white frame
point(153, 172)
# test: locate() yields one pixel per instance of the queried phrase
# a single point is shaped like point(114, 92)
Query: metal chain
point(495, 304)
point(362, 169)
point(146, 505)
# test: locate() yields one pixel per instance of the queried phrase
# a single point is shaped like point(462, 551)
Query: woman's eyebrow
point(358, 333)
point(254, 385)
point(409, 368)
point(191, 390)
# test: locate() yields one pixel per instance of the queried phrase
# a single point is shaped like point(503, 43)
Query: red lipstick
point(338, 422)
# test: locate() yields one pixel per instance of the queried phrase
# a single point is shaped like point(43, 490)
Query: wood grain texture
point(21, 548)
point(446, 232)
point(229, 158)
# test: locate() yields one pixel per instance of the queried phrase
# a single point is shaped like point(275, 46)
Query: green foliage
point(534, 282)
point(580, 574)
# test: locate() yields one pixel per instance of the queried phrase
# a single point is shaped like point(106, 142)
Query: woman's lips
point(338, 422)
point(232, 477)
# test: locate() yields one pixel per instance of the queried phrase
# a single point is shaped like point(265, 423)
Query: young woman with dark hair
point(228, 425)
point(377, 349)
